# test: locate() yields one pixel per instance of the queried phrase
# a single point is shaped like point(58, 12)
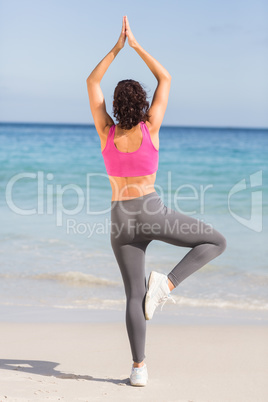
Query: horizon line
point(163, 125)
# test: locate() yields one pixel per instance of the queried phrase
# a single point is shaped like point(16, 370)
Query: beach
point(70, 289)
point(92, 362)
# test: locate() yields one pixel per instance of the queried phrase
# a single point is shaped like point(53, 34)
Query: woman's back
point(130, 148)
point(133, 157)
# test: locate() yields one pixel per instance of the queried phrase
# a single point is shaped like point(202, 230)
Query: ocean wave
point(222, 303)
point(120, 304)
point(98, 303)
point(75, 278)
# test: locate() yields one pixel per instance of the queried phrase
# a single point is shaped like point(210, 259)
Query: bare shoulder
point(104, 135)
point(154, 134)
point(152, 129)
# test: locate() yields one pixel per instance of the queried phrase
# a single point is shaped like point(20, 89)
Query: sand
point(92, 362)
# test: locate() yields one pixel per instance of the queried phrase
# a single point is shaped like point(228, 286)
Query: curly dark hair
point(130, 105)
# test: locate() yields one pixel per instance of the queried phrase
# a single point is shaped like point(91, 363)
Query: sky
point(216, 52)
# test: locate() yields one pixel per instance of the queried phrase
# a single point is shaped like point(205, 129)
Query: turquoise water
point(54, 210)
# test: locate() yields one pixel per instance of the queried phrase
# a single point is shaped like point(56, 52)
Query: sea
point(55, 205)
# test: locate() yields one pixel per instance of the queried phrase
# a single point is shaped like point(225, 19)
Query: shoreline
point(168, 316)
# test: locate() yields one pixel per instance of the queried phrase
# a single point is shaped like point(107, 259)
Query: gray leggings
point(134, 224)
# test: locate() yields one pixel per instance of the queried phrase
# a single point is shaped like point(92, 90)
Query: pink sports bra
point(142, 162)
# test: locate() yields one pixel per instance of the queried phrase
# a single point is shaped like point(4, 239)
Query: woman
point(138, 215)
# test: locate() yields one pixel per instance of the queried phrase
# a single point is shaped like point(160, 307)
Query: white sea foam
point(120, 304)
point(97, 303)
point(222, 303)
point(75, 278)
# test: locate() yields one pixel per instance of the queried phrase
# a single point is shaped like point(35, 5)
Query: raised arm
point(96, 98)
point(160, 98)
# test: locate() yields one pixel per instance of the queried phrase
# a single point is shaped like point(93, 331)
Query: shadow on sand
point(47, 368)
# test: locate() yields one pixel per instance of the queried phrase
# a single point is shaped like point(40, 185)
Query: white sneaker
point(139, 376)
point(157, 293)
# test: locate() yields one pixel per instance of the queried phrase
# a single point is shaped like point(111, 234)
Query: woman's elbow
point(166, 76)
point(91, 82)
point(169, 76)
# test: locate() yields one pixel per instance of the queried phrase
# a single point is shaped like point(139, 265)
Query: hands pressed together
point(126, 33)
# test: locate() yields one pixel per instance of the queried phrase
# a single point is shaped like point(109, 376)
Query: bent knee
point(222, 244)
